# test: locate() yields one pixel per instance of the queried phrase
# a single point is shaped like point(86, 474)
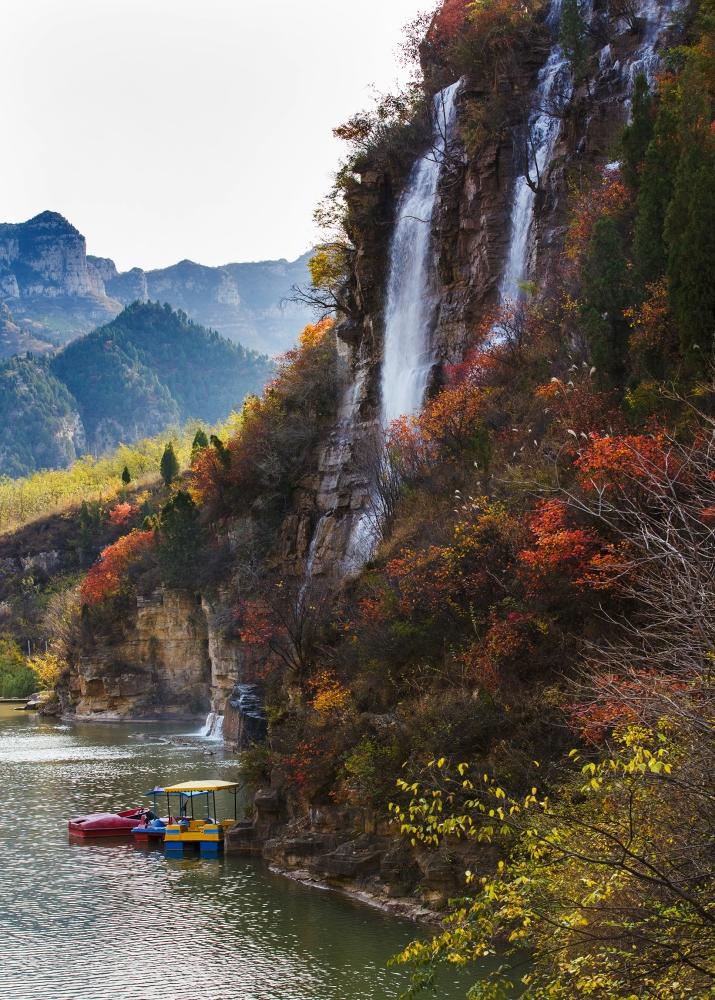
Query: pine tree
point(690, 223)
point(656, 185)
point(222, 451)
point(200, 440)
point(605, 295)
point(169, 465)
point(638, 134)
point(126, 476)
point(179, 536)
point(573, 37)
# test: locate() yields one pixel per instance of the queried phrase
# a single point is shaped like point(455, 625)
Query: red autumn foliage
point(448, 21)
point(561, 553)
point(617, 700)
point(608, 198)
point(254, 623)
point(577, 405)
point(448, 578)
point(122, 514)
point(108, 575)
point(298, 765)
point(448, 422)
point(480, 669)
point(624, 461)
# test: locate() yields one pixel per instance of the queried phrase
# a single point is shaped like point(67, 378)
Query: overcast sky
point(166, 129)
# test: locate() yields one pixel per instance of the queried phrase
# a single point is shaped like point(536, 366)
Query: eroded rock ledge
point(346, 851)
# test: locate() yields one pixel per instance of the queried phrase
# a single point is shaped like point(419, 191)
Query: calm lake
point(110, 920)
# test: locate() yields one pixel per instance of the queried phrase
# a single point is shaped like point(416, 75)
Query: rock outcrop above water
point(168, 657)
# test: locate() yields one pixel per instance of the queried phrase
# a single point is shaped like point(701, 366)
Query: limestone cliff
point(169, 657)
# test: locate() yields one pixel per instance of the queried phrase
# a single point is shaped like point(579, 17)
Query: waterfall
point(408, 356)
point(552, 94)
point(212, 728)
point(656, 16)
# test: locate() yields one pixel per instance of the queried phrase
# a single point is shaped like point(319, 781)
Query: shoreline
point(400, 907)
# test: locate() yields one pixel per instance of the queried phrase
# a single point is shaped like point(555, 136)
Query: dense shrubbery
point(258, 468)
point(17, 679)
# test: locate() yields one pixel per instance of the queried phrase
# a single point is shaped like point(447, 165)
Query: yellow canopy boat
point(206, 832)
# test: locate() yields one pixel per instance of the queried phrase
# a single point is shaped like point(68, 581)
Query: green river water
point(101, 920)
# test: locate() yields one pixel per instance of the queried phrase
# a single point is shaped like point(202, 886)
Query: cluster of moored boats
point(190, 820)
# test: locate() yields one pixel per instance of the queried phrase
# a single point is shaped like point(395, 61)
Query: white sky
point(166, 129)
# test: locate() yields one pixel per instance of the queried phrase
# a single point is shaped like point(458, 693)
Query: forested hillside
point(153, 364)
point(57, 292)
point(39, 424)
point(482, 632)
point(148, 369)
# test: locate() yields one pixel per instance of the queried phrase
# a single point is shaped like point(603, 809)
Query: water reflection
point(107, 920)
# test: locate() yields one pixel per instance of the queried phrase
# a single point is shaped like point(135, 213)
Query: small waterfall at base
point(212, 728)
point(552, 94)
point(408, 356)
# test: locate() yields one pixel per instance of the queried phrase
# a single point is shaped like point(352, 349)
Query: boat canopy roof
point(202, 786)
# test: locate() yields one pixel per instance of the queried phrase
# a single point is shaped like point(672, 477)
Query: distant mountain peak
point(50, 220)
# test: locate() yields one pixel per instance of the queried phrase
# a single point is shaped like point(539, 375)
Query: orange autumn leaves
point(107, 577)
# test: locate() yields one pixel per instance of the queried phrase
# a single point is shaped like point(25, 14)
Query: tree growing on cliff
point(573, 36)
point(179, 540)
point(604, 283)
point(639, 133)
point(108, 577)
point(690, 221)
point(169, 465)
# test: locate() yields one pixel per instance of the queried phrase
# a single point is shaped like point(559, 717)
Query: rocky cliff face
point(48, 281)
point(46, 256)
point(155, 665)
point(169, 658)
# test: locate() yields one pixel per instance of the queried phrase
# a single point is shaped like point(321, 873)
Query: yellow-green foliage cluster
point(607, 887)
point(23, 500)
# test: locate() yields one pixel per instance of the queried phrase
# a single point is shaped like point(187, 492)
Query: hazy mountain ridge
point(56, 292)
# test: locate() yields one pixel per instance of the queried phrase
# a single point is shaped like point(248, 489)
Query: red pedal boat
point(106, 824)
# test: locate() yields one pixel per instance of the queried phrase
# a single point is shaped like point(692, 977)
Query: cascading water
point(336, 456)
point(408, 356)
point(656, 16)
point(553, 92)
point(212, 728)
